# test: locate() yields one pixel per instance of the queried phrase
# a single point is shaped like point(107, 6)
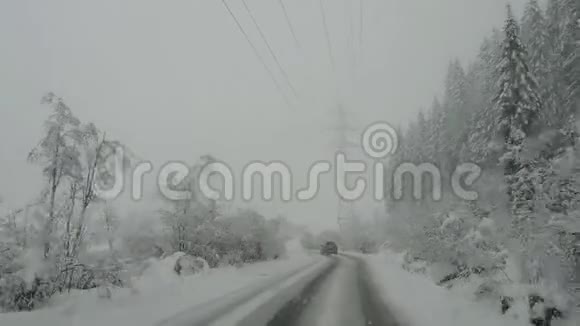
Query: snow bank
point(157, 295)
point(418, 301)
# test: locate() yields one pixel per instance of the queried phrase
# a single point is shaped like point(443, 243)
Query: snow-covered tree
point(456, 114)
point(433, 131)
point(481, 144)
point(519, 106)
point(563, 61)
point(57, 153)
point(536, 39)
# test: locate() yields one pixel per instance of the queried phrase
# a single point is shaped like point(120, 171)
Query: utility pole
point(343, 131)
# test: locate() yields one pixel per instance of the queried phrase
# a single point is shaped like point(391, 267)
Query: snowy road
point(332, 292)
point(344, 295)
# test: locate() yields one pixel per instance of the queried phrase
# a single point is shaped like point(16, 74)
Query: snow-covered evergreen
point(514, 112)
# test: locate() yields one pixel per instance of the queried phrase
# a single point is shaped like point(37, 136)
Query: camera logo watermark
point(176, 181)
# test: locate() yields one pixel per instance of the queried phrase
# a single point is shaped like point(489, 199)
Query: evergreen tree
point(422, 137)
point(519, 106)
point(442, 142)
point(517, 103)
point(535, 37)
point(571, 55)
point(434, 130)
point(483, 120)
point(411, 150)
point(455, 132)
point(564, 65)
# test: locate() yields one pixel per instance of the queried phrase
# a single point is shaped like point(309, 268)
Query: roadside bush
point(16, 295)
point(189, 265)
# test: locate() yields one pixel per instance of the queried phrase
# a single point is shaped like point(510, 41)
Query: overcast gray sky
point(176, 79)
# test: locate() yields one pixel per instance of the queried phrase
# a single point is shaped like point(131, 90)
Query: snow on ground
point(159, 295)
point(418, 301)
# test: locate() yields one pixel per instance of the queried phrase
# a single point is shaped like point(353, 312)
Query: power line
point(269, 48)
point(351, 39)
point(361, 26)
point(326, 34)
point(289, 22)
point(260, 58)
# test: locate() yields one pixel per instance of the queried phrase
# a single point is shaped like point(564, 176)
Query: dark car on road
point(329, 248)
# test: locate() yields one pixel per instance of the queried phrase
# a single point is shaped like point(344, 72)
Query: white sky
point(175, 79)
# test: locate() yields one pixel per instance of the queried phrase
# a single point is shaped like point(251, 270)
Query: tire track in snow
point(374, 308)
point(290, 313)
point(206, 313)
point(344, 295)
point(262, 307)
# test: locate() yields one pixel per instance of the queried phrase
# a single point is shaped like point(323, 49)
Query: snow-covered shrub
point(232, 258)
point(189, 265)
point(17, 295)
point(142, 243)
point(109, 274)
point(12, 294)
point(208, 254)
point(414, 265)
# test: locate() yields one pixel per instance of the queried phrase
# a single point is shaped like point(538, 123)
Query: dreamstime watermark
point(176, 181)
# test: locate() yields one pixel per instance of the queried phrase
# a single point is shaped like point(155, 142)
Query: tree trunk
point(53, 188)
